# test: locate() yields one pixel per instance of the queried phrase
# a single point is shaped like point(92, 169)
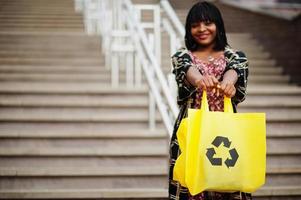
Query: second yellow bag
point(221, 151)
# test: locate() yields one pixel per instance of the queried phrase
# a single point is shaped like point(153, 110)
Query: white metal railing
point(132, 47)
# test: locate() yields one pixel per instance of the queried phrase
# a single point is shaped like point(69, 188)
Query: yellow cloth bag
point(221, 151)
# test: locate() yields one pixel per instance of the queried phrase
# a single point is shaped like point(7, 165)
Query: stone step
point(130, 175)
point(265, 71)
point(43, 29)
point(278, 193)
point(31, 16)
point(83, 151)
point(53, 69)
point(39, 12)
point(100, 115)
point(146, 159)
point(293, 113)
point(275, 146)
point(106, 77)
point(90, 69)
point(33, 26)
point(71, 142)
point(45, 47)
point(53, 183)
point(113, 171)
point(21, 23)
point(270, 102)
point(128, 100)
point(33, 38)
point(20, 108)
point(105, 194)
point(48, 54)
point(81, 133)
point(50, 61)
point(96, 88)
point(264, 193)
point(68, 88)
point(83, 125)
point(44, 100)
point(58, 77)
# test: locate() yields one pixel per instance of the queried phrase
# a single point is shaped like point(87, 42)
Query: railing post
point(152, 104)
point(115, 70)
point(129, 69)
point(138, 71)
point(79, 5)
point(157, 33)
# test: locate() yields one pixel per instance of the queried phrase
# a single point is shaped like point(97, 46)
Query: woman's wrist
point(230, 76)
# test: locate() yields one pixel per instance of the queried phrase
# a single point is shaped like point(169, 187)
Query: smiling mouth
point(202, 37)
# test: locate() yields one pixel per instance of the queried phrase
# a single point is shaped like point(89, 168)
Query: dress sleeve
point(240, 64)
point(181, 62)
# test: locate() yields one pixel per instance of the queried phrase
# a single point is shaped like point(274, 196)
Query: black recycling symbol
point(230, 162)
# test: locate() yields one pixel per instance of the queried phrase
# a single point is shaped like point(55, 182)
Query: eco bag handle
point(228, 108)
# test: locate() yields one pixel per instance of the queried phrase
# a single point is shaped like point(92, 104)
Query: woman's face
point(204, 33)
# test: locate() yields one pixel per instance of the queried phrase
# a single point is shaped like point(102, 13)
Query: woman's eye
point(194, 25)
point(207, 23)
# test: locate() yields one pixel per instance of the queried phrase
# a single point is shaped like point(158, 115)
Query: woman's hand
point(227, 85)
point(228, 88)
point(206, 81)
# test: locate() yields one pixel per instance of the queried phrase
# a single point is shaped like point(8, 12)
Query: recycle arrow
point(210, 155)
point(234, 156)
point(219, 140)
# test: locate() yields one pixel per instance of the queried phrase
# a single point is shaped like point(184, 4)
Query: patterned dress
point(190, 97)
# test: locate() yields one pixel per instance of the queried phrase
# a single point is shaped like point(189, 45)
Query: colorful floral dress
point(215, 67)
point(190, 97)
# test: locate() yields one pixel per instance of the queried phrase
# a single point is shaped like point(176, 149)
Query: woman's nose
point(201, 27)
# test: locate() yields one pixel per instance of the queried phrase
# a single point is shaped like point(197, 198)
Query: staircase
point(268, 91)
point(64, 132)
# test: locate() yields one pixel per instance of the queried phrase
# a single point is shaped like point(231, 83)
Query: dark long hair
point(205, 11)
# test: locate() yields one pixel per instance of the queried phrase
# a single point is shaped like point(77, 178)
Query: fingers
point(228, 89)
point(210, 82)
point(207, 81)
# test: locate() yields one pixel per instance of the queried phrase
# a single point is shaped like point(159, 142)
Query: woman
point(207, 63)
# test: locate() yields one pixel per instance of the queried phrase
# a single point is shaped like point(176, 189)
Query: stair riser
point(51, 47)
point(273, 145)
point(126, 144)
point(294, 112)
point(114, 182)
point(84, 100)
point(38, 16)
point(54, 54)
point(283, 180)
point(43, 28)
point(53, 69)
point(69, 114)
point(75, 126)
point(106, 161)
point(54, 62)
point(83, 161)
point(283, 160)
point(12, 40)
point(86, 70)
point(83, 143)
point(120, 113)
point(83, 182)
point(44, 23)
point(282, 128)
point(104, 78)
